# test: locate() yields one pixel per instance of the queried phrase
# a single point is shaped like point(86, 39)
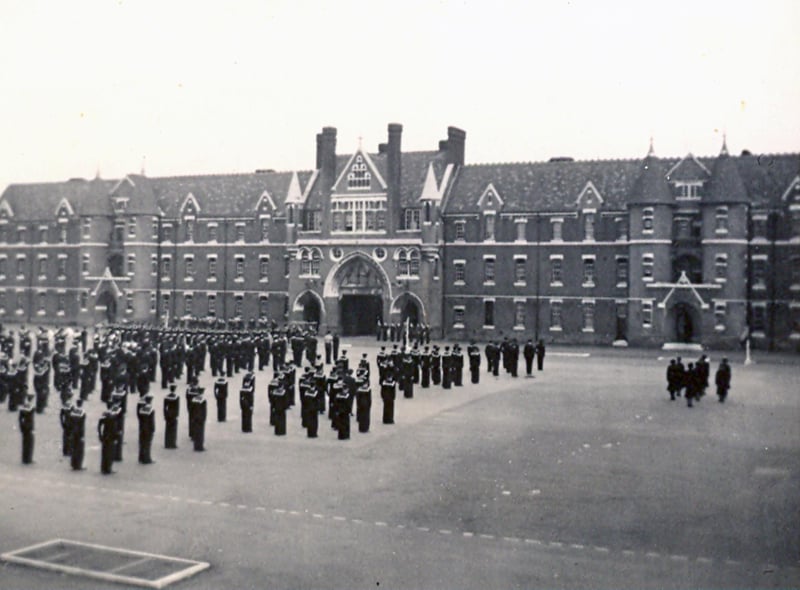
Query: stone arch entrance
point(308, 307)
point(408, 306)
point(107, 303)
point(355, 294)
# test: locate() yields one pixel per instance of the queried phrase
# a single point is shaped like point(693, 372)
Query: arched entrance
point(308, 306)
point(106, 300)
point(685, 323)
point(358, 287)
point(408, 306)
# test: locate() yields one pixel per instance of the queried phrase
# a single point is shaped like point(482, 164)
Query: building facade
point(641, 252)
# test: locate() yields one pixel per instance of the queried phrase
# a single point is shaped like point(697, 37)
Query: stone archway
point(356, 292)
point(684, 323)
point(309, 308)
point(407, 306)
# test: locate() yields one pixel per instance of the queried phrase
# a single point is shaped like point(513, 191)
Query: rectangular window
point(20, 266)
point(212, 232)
point(519, 314)
point(760, 271)
point(239, 268)
point(622, 228)
point(166, 230)
point(488, 226)
point(588, 271)
point(647, 219)
point(189, 224)
point(287, 265)
point(555, 315)
point(556, 271)
point(265, 229)
point(460, 229)
point(647, 314)
point(240, 232)
point(41, 302)
point(129, 303)
point(488, 270)
point(588, 316)
point(86, 228)
point(435, 271)
point(794, 263)
point(337, 221)
point(380, 220)
point(521, 225)
point(2, 302)
point(3, 266)
point(42, 267)
point(188, 304)
point(263, 306)
point(795, 222)
point(238, 303)
point(153, 301)
point(212, 304)
point(188, 266)
point(458, 316)
point(21, 234)
point(132, 228)
point(460, 272)
point(519, 270)
point(622, 271)
point(760, 227)
point(263, 268)
point(411, 219)
point(647, 267)
point(557, 225)
point(165, 308)
point(154, 264)
point(165, 268)
point(588, 227)
point(43, 235)
point(720, 267)
point(721, 220)
point(62, 266)
point(84, 300)
point(131, 264)
point(719, 316)
point(85, 262)
point(20, 302)
point(155, 228)
point(759, 318)
point(61, 303)
point(488, 313)
point(62, 233)
point(212, 268)
point(3, 234)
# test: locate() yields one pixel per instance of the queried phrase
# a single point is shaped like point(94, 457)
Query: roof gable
point(590, 197)
point(5, 209)
point(265, 204)
point(688, 169)
point(294, 195)
point(64, 208)
point(190, 206)
point(490, 199)
point(359, 174)
point(123, 186)
point(792, 192)
point(430, 190)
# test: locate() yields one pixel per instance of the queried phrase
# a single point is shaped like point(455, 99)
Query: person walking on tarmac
point(172, 409)
point(221, 395)
point(474, 354)
point(198, 419)
point(540, 355)
point(147, 429)
point(107, 432)
point(722, 380)
point(247, 401)
point(528, 352)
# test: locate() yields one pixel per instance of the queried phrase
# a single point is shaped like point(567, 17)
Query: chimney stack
point(393, 172)
point(455, 145)
point(326, 156)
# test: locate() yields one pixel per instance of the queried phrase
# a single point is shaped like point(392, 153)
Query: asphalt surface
point(585, 476)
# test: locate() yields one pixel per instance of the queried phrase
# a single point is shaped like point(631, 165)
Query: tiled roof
point(543, 185)
point(726, 183)
point(651, 186)
point(40, 200)
point(228, 194)
point(554, 186)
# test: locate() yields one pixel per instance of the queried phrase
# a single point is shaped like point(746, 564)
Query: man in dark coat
point(723, 380)
point(540, 350)
point(528, 352)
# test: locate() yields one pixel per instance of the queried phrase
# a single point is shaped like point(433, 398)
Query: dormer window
point(189, 223)
point(647, 219)
point(721, 220)
point(588, 227)
point(688, 190)
point(358, 177)
point(411, 219)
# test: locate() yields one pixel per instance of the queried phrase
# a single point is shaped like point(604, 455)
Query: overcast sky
point(208, 87)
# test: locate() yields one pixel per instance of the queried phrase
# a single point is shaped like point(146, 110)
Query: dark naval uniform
point(77, 428)
point(221, 395)
point(107, 432)
point(147, 429)
point(363, 406)
point(387, 395)
point(172, 409)
point(198, 420)
point(26, 426)
point(247, 401)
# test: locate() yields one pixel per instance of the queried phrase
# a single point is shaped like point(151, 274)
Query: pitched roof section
point(543, 186)
point(726, 183)
point(38, 201)
point(651, 187)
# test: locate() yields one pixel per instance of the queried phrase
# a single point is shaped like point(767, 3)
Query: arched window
point(402, 262)
point(359, 176)
point(413, 262)
point(316, 257)
point(305, 262)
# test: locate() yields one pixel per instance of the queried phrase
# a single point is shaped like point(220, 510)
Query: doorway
point(359, 313)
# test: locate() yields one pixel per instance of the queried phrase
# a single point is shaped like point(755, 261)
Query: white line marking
point(732, 562)
point(379, 523)
point(175, 498)
point(225, 504)
point(315, 515)
point(279, 510)
point(445, 532)
point(679, 557)
point(468, 534)
point(576, 546)
point(261, 509)
point(487, 536)
point(628, 552)
point(294, 513)
point(339, 518)
point(129, 565)
point(601, 549)
point(401, 526)
point(555, 544)
point(241, 506)
point(533, 541)
point(703, 560)
point(357, 521)
point(424, 529)
point(652, 554)
point(206, 502)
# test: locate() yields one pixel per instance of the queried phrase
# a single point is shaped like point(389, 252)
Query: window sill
point(719, 328)
point(488, 283)
point(458, 326)
point(518, 328)
point(488, 327)
point(648, 279)
point(238, 280)
point(211, 280)
point(794, 336)
point(588, 285)
point(622, 285)
point(556, 329)
point(263, 280)
point(403, 277)
point(520, 284)
point(721, 232)
point(587, 330)
point(41, 312)
point(187, 279)
point(647, 326)
point(557, 284)
point(19, 312)
point(720, 280)
point(60, 313)
point(459, 283)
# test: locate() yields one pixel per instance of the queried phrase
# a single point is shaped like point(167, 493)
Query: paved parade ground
point(586, 476)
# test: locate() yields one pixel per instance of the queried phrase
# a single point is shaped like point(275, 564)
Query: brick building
point(642, 251)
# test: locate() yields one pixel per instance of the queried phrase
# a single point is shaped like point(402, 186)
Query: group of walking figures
point(692, 380)
point(126, 359)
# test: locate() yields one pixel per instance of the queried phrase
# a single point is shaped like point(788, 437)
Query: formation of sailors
point(693, 380)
